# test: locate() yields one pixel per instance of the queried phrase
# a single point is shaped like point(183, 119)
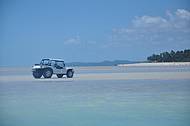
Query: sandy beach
point(121, 72)
point(102, 76)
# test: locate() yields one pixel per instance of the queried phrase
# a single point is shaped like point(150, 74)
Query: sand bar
point(103, 76)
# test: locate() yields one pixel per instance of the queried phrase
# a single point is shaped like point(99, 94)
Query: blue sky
point(91, 30)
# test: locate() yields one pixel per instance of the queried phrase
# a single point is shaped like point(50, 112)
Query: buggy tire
point(69, 74)
point(48, 73)
point(59, 75)
point(37, 74)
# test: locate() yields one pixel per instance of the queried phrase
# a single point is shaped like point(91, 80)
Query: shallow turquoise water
point(95, 103)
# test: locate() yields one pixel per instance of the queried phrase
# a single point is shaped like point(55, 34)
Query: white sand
point(158, 64)
point(103, 76)
point(13, 74)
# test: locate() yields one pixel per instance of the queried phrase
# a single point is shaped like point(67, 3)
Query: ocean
point(97, 96)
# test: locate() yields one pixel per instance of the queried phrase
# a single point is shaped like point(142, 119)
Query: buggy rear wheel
point(47, 73)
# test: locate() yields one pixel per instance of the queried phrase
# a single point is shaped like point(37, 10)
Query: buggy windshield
point(45, 62)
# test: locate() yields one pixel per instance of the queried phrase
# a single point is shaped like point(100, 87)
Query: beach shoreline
point(157, 64)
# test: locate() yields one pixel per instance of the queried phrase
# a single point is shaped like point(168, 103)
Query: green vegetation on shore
point(172, 56)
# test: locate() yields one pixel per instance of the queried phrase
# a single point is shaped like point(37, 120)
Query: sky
point(91, 30)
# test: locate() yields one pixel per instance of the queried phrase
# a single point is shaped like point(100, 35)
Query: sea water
point(101, 102)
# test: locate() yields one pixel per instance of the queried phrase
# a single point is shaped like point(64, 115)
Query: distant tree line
point(172, 56)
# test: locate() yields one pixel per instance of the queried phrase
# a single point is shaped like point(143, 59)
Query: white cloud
point(180, 19)
point(72, 41)
point(148, 21)
point(183, 14)
point(171, 30)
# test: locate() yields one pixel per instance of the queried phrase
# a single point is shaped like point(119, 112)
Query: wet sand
point(103, 76)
